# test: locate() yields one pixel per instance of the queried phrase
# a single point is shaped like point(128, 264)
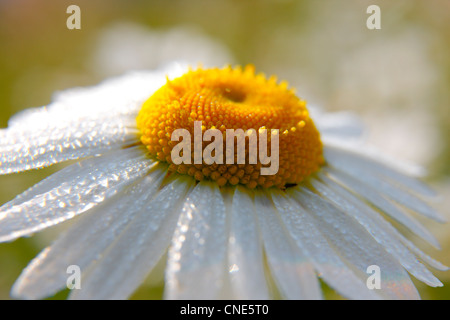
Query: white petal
point(80, 122)
point(372, 161)
point(380, 229)
point(111, 98)
point(363, 170)
point(85, 241)
point(372, 195)
point(245, 258)
point(71, 191)
point(424, 257)
point(293, 272)
point(197, 257)
point(326, 261)
point(357, 246)
point(62, 141)
point(134, 253)
point(337, 125)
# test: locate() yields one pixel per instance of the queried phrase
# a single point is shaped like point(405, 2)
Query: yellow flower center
point(233, 99)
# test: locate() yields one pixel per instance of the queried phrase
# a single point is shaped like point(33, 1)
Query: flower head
point(227, 227)
point(232, 99)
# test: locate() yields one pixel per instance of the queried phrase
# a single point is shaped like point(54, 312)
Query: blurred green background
point(395, 79)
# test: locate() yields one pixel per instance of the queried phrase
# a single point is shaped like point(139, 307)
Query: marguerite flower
point(228, 229)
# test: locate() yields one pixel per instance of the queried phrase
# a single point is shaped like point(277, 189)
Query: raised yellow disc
point(232, 98)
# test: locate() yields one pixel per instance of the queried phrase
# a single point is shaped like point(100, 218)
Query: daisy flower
point(225, 230)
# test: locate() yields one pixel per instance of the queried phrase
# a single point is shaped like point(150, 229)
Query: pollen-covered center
point(222, 99)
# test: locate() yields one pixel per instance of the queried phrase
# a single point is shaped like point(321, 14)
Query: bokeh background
point(396, 79)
